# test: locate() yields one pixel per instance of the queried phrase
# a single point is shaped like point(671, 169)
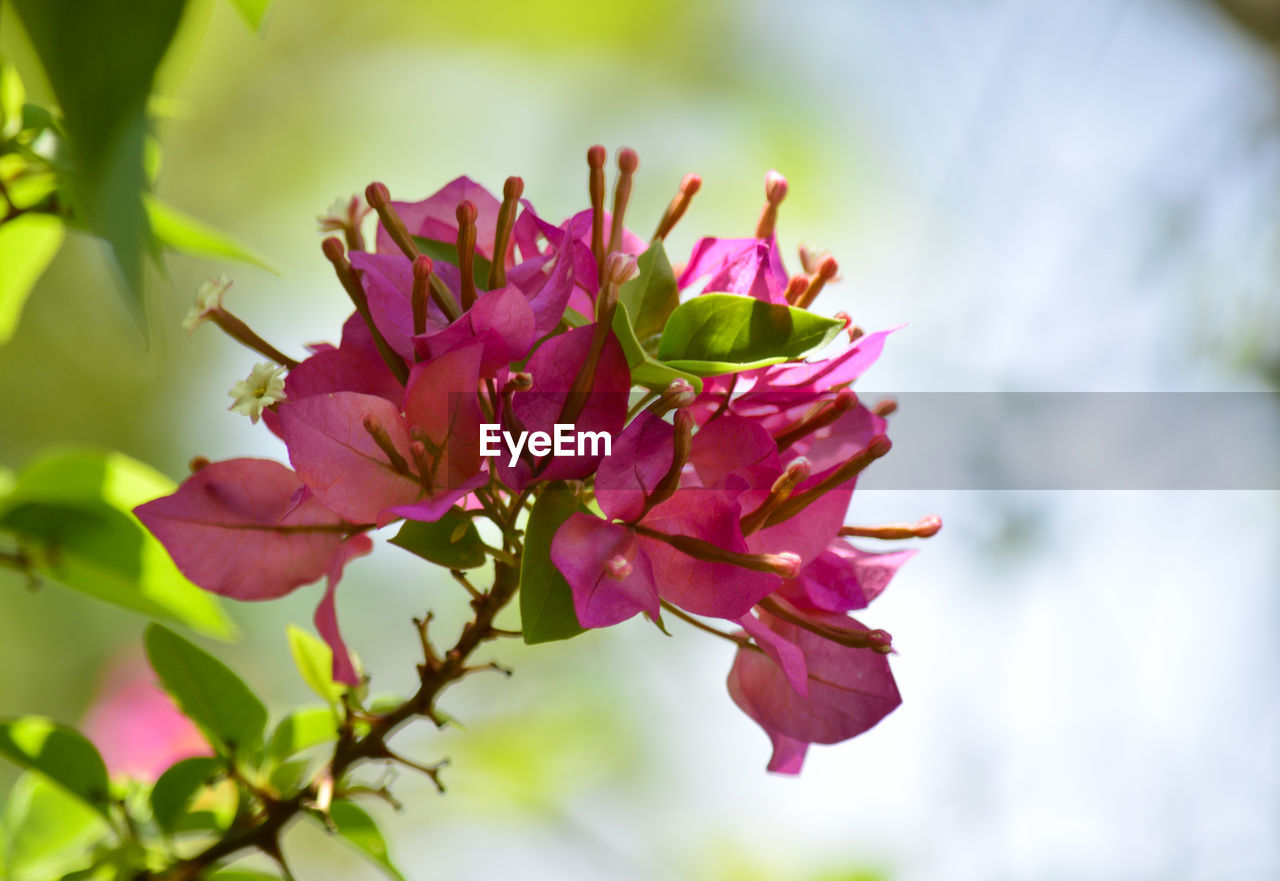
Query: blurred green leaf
point(46, 831)
point(356, 826)
point(724, 333)
point(207, 691)
point(448, 252)
point(314, 660)
point(452, 541)
point(12, 97)
point(175, 788)
point(27, 245)
point(252, 11)
point(241, 875)
point(77, 506)
point(301, 730)
point(645, 370)
point(100, 59)
point(61, 754)
point(652, 295)
point(546, 602)
point(184, 233)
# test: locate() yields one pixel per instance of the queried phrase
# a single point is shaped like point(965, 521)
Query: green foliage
point(27, 245)
point(725, 333)
point(207, 691)
point(183, 233)
point(652, 295)
point(73, 509)
point(452, 541)
point(546, 602)
point(359, 829)
point(45, 832)
point(100, 62)
point(448, 252)
point(301, 730)
point(242, 875)
point(645, 369)
point(61, 754)
point(314, 660)
point(252, 11)
point(178, 785)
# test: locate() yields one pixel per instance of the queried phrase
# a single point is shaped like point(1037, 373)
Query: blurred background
point(1054, 197)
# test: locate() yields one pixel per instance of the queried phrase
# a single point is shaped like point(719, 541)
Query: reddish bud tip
point(371, 423)
point(520, 382)
point(691, 184)
point(845, 398)
point(828, 267)
point(628, 160)
point(796, 286)
point(377, 195)
point(879, 446)
point(618, 567)
point(596, 156)
point(928, 526)
point(466, 212)
point(799, 470)
point(620, 268)
point(785, 564)
point(513, 189)
point(885, 407)
point(879, 641)
point(199, 463)
point(332, 247)
point(422, 266)
point(846, 318)
point(775, 187)
point(683, 422)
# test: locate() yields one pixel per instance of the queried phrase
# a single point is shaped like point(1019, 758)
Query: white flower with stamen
point(263, 387)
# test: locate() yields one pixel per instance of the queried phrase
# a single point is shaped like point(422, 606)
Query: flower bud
point(775, 190)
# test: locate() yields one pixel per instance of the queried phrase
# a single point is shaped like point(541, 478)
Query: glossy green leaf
point(652, 295)
point(359, 829)
point(314, 660)
point(546, 601)
point(75, 508)
point(27, 245)
point(452, 541)
point(178, 785)
point(301, 730)
point(448, 252)
point(207, 691)
point(645, 370)
point(182, 232)
point(713, 332)
point(252, 11)
point(100, 61)
point(46, 832)
point(61, 754)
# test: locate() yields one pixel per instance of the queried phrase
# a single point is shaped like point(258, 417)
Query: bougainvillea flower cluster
point(732, 440)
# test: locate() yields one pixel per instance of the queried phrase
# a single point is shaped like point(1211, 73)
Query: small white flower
point(208, 300)
point(263, 387)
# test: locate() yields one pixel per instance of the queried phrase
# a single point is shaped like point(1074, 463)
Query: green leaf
point(301, 730)
point(100, 62)
point(241, 875)
point(652, 295)
point(45, 831)
point(724, 333)
point(27, 245)
point(252, 11)
point(175, 788)
point(76, 508)
point(207, 691)
point(546, 602)
point(182, 232)
point(448, 252)
point(357, 827)
point(61, 754)
point(314, 660)
point(645, 370)
point(452, 541)
point(12, 97)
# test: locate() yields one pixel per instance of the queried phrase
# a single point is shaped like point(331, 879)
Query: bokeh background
point(1055, 196)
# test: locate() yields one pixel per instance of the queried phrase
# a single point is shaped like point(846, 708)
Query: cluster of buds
point(721, 489)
